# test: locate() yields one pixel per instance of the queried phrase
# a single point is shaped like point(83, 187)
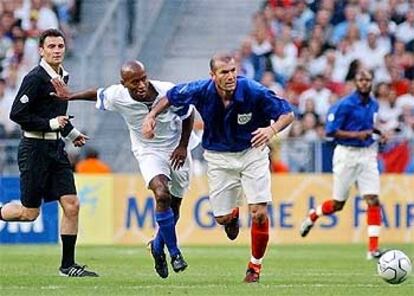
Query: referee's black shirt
point(33, 106)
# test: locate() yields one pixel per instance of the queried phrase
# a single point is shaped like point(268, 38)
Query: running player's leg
point(32, 181)
point(225, 192)
point(369, 188)
point(256, 183)
point(345, 172)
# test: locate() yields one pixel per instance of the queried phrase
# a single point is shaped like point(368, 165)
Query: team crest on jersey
point(244, 118)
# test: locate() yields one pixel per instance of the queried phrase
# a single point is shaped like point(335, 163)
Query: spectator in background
point(405, 31)
point(344, 55)
point(300, 80)
point(268, 80)
point(407, 100)
point(402, 58)
point(283, 64)
point(91, 164)
point(319, 94)
point(388, 112)
point(383, 73)
point(317, 62)
point(322, 19)
point(339, 32)
point(246, 59)
point(398, 82)
point(386, 36)
point(7, 127)
point(368, 50)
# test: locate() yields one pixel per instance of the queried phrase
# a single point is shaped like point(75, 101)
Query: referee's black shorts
point(45, 171)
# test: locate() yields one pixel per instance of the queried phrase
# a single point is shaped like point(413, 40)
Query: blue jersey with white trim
point(228, 129)
point(352, 114)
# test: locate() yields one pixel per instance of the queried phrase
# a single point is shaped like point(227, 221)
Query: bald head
point(134, 78)
point(132, 67)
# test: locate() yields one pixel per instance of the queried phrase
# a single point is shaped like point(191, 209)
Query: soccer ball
point(394, 267)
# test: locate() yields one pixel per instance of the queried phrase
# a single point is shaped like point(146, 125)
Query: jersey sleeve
point(106, 98)
point(335, 119)
point(21, 109)
point(272, 105)
point(183, 97)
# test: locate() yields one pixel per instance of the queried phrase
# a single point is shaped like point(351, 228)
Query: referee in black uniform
point(45, 171)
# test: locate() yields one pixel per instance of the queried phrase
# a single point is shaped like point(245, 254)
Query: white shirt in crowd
point(320, 99)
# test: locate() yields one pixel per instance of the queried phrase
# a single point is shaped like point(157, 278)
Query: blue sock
point(158, 242)
point(166, 223)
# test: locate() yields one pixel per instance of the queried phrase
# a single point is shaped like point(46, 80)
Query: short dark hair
point(50, 33)
point(222, 57)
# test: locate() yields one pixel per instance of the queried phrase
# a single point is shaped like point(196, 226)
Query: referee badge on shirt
point(24, 99)
point(244, 118)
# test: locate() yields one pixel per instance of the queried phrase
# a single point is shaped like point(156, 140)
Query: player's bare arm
point(62, 92)
point(261, 136)
point(179, 155)
point(148, 126)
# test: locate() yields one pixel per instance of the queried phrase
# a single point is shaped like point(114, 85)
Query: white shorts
point(154, 163)
point(233, 175)
point(355, 165)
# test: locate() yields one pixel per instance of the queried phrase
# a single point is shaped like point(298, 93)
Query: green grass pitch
point(315, 270)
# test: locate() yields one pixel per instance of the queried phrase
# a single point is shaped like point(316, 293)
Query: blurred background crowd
point(306, 51)
point(309, 52)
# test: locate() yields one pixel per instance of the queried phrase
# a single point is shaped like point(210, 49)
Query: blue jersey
point(228, 129)
point(351, 114)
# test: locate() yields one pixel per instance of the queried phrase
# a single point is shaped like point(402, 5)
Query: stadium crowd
point(309, 51)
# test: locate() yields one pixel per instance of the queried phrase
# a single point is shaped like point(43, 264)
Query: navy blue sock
point(158, 243)
point(166, 225)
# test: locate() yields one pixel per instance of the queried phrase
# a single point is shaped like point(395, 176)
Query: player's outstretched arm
point(179, 155)
point(63, 93)
point(148, 126)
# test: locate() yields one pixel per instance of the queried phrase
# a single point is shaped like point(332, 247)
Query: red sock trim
point(328, 207)
point(374, 215)
point(313, 216)
point(260, 238)
point(373, 243)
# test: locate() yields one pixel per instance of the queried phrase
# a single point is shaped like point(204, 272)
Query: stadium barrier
point(118, 209)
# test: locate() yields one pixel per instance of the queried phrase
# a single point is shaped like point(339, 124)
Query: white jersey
point(168, 124)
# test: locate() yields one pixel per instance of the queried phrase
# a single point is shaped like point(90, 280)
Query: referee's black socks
point(68, 249)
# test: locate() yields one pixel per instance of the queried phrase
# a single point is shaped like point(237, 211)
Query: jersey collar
point(51, 72)
point(238, 92)
point(357, 99)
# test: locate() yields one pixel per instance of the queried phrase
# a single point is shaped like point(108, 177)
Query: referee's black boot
point(76, 270)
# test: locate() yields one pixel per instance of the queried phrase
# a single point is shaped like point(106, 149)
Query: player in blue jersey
point(240, 117)
point(351, 122)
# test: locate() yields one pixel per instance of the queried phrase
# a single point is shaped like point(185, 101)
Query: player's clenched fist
point(148, 126)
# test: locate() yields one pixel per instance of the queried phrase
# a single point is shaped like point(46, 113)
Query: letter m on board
point(134, 213)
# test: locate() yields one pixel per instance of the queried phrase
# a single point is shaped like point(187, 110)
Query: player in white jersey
point(163, 160)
